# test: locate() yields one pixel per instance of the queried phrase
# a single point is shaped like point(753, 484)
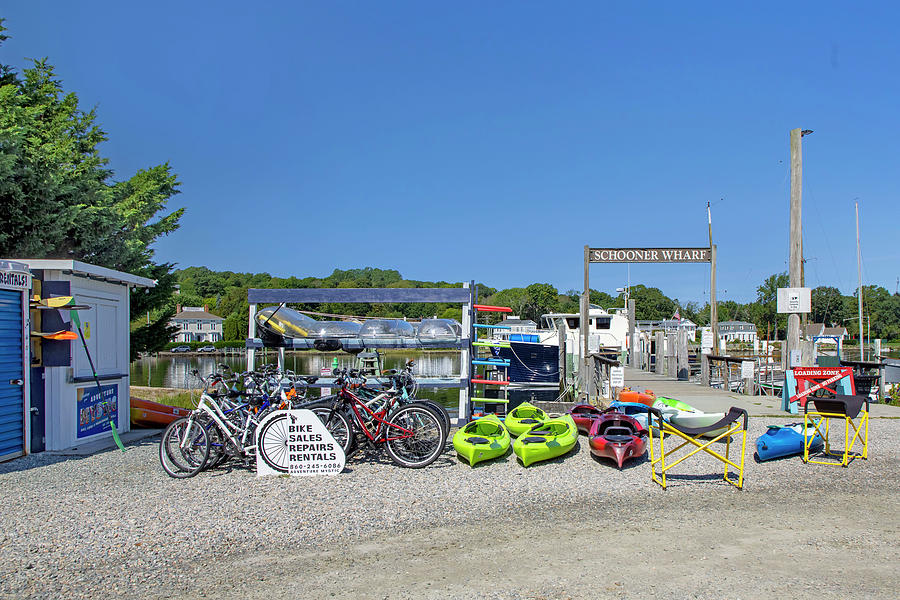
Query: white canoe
point(698, 419)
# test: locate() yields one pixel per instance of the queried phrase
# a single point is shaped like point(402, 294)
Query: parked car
point(208, 349)
point(181, 349)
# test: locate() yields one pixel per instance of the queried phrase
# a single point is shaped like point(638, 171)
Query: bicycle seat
point(310, 380)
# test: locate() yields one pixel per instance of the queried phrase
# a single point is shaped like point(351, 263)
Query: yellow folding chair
point(731, 425)
point(818, 421)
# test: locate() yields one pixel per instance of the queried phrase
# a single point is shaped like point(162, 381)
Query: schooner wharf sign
point(649, 255)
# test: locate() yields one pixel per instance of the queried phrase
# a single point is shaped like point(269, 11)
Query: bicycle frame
point(380, 434)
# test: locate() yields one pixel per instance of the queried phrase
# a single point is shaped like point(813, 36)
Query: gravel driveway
point(115, 524)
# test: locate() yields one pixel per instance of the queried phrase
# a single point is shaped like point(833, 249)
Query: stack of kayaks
point(524, 417)
point(145, 413)
point(482, 439)
point(584, 416)
point(629, 395)
point(618, 437)
point(549, 439)
point(779, 442)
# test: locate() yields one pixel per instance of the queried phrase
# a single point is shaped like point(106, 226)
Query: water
point(175, 371)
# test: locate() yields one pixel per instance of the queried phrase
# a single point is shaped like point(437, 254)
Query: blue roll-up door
point(12, 372)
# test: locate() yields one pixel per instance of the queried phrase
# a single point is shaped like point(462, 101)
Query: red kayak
point(617, 436)
point(154, 415)
point(646, 397)
point(584, 416)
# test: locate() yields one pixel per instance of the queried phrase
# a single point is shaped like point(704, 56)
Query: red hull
point(584, 416)
point(617, 437)
point(154, 415)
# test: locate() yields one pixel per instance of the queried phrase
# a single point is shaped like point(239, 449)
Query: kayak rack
point(492, 379)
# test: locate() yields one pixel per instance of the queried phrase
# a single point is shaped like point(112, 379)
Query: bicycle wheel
point(440, 411)
point(273, 443)
point(338, 425)
point(183, 460)
point(424, 442)
point(218, 450)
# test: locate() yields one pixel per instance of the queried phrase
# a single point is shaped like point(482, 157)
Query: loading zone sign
point(296, 442)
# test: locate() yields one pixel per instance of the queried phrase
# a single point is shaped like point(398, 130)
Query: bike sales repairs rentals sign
point(296, 442)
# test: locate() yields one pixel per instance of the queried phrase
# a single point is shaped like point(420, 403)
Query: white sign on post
point(617, 377)
point(706, 341)
point(746, 369)
point(296, 442)
point(793, 300)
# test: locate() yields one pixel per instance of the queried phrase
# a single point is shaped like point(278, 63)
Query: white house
point(738, 331)
point(196, 324)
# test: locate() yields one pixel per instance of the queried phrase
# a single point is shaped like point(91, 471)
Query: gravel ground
point(114, 523)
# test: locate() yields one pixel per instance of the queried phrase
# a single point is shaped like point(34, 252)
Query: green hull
point(531, 447)
point(673, 403)
point(482, 439)
point(524, 417)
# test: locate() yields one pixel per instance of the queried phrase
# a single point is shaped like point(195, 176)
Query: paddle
point(112, 426)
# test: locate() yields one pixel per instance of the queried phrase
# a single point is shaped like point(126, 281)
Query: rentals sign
point(649, 255)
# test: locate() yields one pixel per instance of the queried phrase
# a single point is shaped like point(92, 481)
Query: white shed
point(68, 407)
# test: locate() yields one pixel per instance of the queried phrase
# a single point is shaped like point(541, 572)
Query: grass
point(170, 396)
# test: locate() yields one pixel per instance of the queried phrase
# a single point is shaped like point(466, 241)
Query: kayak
point(618, 437)
point(779, 442)
point(634, 410)
point(662, 402)
point(153, 415)
point(552, 438)
point(524, 417)
point(629, 395)
point(697, 419)
point(584, 416)
point(482, 439)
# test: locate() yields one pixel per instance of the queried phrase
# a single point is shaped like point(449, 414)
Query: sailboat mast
point(859, 293)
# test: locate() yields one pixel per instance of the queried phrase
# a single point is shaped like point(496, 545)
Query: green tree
point(827, 305)
point(767, 311)
point(58, 199)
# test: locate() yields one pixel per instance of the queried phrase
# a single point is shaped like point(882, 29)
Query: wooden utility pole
point(796, 241)
point(713, 307)
point(586, 379)
point(859, 291)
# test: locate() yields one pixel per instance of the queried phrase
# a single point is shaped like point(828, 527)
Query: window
point(602, 322)
point(572, 322)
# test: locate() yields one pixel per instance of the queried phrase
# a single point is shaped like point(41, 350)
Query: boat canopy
point(386, 328)
point(289, 323)
point(439, 330)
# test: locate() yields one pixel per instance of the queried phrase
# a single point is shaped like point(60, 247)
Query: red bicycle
point(412, 433)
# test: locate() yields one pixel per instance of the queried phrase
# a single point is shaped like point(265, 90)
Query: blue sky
point(492, 141)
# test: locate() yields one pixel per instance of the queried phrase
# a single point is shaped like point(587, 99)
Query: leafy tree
point(827, 305)
point(58, 199)
point(766, 298)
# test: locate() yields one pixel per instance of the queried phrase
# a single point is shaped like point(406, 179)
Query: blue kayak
point(778, 442)
point(635, 410)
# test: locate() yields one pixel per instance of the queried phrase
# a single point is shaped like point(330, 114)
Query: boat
point(697, 419)
point(153, 415)
point(646, 397)
point(524, 417)
point(663, 403)
point(552, 438)
point(533, 353)
point(482, 439)
point(637, 411)
point(584, 416)
point(778, 442)
point(618, 437)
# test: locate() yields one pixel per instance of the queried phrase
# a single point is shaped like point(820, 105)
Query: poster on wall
point(94, 411)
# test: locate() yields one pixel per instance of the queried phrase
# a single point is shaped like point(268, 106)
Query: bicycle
point(412, 433)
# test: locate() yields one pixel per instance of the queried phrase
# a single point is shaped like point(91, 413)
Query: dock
point(710, 399)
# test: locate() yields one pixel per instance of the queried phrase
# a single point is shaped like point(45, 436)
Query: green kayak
point(482, 439)
point(552, 438)
point(524, 417)
point(662, 401)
